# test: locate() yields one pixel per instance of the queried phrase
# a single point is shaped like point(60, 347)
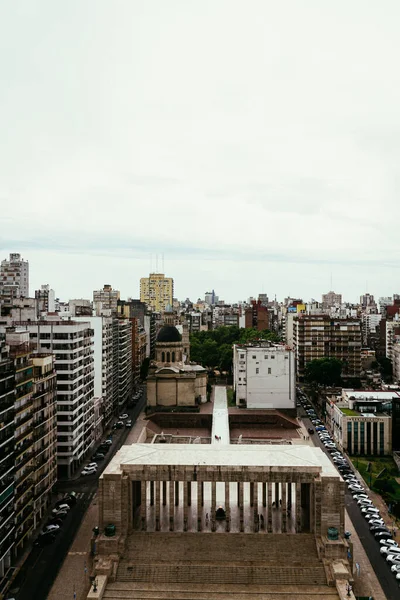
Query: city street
point(370, 545)
point(40, 569)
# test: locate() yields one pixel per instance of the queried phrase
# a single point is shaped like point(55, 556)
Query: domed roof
point(169, 333)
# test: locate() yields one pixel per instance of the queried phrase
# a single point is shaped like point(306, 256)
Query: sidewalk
point(73, 576)
point(366, 584)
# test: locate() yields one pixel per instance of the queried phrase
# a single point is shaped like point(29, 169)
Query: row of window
point(365, 440)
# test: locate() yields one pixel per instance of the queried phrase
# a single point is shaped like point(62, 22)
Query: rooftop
point(305, 457)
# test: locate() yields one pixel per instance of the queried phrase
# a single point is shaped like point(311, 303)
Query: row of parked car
point(389, 547)
point(58, 515)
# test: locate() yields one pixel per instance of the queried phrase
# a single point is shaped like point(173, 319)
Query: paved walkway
point(220, 425)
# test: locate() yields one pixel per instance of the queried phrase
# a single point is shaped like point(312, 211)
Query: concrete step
point(142, 591)
point(272, 548)
point(221, 574)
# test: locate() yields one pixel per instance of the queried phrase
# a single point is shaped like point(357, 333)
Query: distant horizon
point(65, 296)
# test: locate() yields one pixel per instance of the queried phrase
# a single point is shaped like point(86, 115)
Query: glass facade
point(375, 438)
point(362, 437)
point(349, 446)
point(381, 439)
point(355, 431)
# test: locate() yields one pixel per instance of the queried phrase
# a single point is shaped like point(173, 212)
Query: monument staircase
point(196, 566)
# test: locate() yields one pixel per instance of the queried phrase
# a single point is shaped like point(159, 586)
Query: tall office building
point(331, 299)
point(14, 277)
point(157, 291)
point(319, 336)
point(105, 300)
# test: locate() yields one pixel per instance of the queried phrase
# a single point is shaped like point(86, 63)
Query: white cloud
point(258, 132)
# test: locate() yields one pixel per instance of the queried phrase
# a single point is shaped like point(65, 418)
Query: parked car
point(64, 506)
point(123, 417)
point(386, 550)
point(364, 502)
point(55, 521)
point(89, 471)
point(380, 535)
point(98, 456)
point(107, 442)
point(119, 424)
point(93, 465)
point(61, 514)
point(370, 510)
point(53, 528)
point(128, 423)
point(393, 558)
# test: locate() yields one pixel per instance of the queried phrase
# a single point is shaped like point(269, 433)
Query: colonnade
point(277, 506)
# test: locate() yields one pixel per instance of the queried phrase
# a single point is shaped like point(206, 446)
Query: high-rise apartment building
point(319, 336)
point(105, 300)
point(45, 300)
point(14, 277)
point(157, 291)
point(7, 393)
point(72, 344)
point(44, 432)
point(257, 316)
point(331, 299)
point(123, 358)
point(105, 366)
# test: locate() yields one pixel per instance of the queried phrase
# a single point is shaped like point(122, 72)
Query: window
point(349, 424)
point(266, 357)
point(272, 357)
point(254, 357)
point(375, 437)
point(381, 439)
point(269, 370)
point(240, 379)
point(242, 356)
point(362, 438)
point(355, 442)
point(257, 371)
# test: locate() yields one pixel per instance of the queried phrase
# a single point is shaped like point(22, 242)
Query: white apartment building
point(14, 274)
point(123, 356)
point(369, 323)
point(72, 344)
point(392, 328)
point(396, 362)
point(105, 367)
point(264, 376)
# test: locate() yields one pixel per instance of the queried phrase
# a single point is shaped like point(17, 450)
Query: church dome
point(169, 333)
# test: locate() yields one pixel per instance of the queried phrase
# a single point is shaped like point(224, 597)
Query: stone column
point(283, 507)
point(264, 494)
point(143, 504)
point(176, 493)
point(213, 504)
point(171, 505)
point(164, 493)
point(298, 507)
point(251, 493)
point(241, 507)
point(227, 506)
point(200, 498)
point(289, 496)
point(277, 494)
point(255, 509)
point(185, 506)
point(269, 527)
point(151, 493)
point(158, 502)
point(189, 493)
point(312, 507)
point(238, 493)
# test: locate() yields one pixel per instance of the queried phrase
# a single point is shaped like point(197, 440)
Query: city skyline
point(263, 163)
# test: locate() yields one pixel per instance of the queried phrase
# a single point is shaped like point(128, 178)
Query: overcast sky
point(253, 142)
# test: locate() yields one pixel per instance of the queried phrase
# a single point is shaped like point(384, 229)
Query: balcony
point(19, 481)
point(24, 434)
point(22, 406)
point(25, 419)
point(25, 459)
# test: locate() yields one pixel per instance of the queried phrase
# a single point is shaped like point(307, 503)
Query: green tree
point(225, 358)
point(324, 371)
